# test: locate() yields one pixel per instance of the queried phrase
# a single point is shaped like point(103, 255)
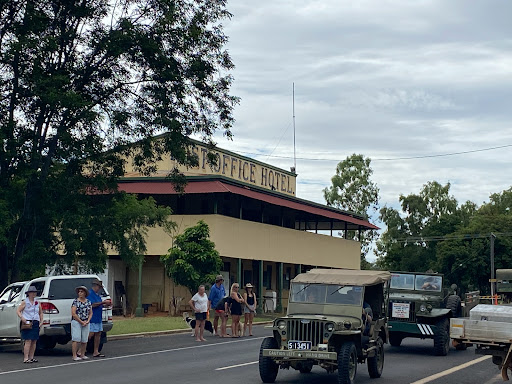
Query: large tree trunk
point(4, 267)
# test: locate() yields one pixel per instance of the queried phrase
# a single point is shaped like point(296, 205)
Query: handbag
point(27, 325)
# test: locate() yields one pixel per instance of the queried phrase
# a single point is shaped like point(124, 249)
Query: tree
point(431, 213)
point(84, 85)
point(193, 260)
point(352, 190)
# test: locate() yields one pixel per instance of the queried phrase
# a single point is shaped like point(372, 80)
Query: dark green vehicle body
point(419, 307)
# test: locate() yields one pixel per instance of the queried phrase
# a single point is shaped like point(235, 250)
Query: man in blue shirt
point(217, 292)
point(96, 324)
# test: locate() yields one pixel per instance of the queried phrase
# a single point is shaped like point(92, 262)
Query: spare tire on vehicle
point(454, 304)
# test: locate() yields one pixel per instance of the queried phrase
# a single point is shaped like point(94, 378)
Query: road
point(179, 359)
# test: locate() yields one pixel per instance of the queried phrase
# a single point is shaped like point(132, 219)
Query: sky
point(397, 81)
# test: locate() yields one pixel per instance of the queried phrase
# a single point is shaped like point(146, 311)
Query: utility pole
point(493, 277)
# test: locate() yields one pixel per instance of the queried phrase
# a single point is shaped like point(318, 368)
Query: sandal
point(27, 362)
point(34, 361)
point(99, 355)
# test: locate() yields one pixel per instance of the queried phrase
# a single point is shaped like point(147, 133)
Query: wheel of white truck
point(268, 367)
point(454, 304)
point(347, 363)
point(376, 363)
point(442, 338)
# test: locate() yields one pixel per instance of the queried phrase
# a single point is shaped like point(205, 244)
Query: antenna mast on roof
point(293, 107)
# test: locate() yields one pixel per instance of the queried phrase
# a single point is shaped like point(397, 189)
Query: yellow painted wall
point(256, 241)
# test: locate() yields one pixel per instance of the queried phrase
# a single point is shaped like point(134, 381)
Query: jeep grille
point(412, 311)
point(306, 330)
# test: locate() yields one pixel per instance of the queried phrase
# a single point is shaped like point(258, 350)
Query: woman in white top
point(30, 312)
point(200, 304)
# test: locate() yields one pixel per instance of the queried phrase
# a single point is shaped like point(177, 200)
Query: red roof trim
point(166, 187)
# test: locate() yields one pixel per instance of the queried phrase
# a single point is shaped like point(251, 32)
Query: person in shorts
point(221, 311)
point(217, 292)
point(81, 314)
point(96, 325)
point(200, 304)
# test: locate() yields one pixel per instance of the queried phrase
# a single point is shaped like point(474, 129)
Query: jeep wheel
point(442, 338)
point(395, 340)
point(268, 367)
point(347, 363)
point(376, 363)
point(453, 303)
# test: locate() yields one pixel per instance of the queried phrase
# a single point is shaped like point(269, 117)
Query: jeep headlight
point(329, 327)
point(281, 324)
point(423, 308)
point(429, 307)
point(347, 324)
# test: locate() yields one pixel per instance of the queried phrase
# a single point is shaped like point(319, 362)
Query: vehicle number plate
point(303, 345)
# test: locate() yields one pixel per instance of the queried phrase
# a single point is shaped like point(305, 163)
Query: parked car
point(328, 324)
point(55, 294)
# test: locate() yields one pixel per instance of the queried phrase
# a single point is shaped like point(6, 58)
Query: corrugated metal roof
point(215, 186)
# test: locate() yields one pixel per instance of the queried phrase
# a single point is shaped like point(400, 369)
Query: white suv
point(56, 294)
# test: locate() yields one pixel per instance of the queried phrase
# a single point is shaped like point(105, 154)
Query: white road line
point(134, 355)
point(451, 370)
point(236, 366)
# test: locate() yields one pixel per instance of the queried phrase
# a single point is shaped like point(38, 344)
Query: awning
point(215, 186)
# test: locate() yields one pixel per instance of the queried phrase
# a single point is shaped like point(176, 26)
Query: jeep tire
point(268, 367)
point(376, 362)
point(454, 304)
point(347, 363)
point(395, 340)
point(442, 338)
point(306, 368)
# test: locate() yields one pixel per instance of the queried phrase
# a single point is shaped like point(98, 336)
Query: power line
point(385, 159)
point(445, 238)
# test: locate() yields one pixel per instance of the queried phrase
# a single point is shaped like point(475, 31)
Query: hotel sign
point(232, 166)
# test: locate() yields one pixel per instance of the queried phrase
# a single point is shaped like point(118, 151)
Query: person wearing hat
point(96, 325)
point(217, 293)
point(81, 314)
point(30, 312)
point(250, 307)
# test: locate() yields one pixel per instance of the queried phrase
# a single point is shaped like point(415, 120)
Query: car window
point(10, 294)
point(326, 294)
point(65, 288)
point(402, 281)
point(39, 286)
point(429, 283)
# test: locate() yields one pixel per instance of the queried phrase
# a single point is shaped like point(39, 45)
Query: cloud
point(388, 79)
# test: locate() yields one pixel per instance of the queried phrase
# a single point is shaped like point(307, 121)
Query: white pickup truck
point(489, 329)
point(55, 294)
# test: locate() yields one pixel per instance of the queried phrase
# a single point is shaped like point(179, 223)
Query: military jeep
point(335, 319)
point(419, 307)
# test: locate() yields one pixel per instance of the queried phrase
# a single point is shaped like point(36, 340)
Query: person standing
point(200, 304)
point(81, 314)
point(96, 325)
point(249, 308)
point(236, 302)
point(30, 311)
point(217, 292)
point(222, 311)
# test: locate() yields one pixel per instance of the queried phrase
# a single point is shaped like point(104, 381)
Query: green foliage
point(193, 260)
point(83, 87)
point(352, 190)
point(434, 232)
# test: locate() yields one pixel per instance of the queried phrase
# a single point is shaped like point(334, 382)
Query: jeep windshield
point(326, 294)
point(412, 282)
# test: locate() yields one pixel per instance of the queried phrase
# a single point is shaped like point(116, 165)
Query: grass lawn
point(156, 323)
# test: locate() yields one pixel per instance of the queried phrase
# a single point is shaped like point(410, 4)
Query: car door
point(9, 302)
